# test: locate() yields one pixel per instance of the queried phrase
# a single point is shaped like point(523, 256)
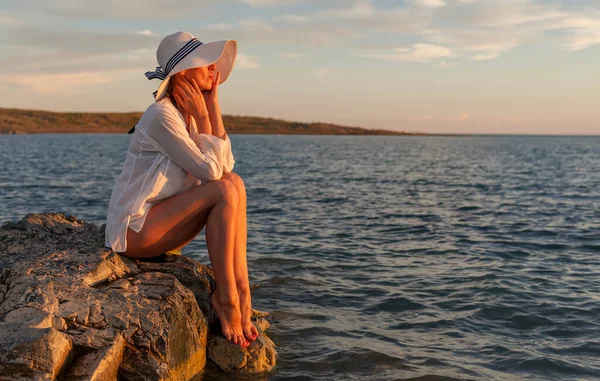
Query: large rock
point(73, 309)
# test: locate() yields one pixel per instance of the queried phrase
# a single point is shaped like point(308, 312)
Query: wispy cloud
point(431, 3)
point(293, 18)
point(291, 55)
point(245, 62)
point(59, 83)
point(414, 53)
point(130, 9)
point(145, 32)
point(255, 24)
point(220, 26)
point(446, 64)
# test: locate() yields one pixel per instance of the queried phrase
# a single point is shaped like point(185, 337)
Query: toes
point(251, 332)
point(250, 335)
point(239, 340)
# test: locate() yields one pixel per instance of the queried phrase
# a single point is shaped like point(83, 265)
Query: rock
point(73, 309)
point(258, 357)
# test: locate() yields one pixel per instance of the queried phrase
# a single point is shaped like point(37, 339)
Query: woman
point(177, 179)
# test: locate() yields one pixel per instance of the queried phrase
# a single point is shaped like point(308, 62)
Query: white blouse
point(163, 159)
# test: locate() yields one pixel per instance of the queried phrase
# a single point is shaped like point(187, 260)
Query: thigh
point(173, 222)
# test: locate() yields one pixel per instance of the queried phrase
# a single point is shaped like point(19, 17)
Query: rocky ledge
point(71, 309)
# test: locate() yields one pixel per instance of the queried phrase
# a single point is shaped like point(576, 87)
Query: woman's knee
point(226, 192)
point(236, 180)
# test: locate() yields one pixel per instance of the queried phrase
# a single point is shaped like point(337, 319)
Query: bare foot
point(230, 317)
point(249, 329)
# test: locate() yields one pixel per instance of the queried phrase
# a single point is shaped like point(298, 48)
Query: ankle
point(227, 299)
point(226, 295)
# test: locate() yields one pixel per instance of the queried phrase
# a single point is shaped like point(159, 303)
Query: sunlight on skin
point(204, 108)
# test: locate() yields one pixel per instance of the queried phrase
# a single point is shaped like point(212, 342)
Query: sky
point(434, 66)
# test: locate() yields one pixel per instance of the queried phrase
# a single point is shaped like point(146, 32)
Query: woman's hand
point(189, 98)
point(191, 104)
point(211, 96)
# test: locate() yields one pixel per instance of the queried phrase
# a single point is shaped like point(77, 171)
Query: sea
point(387, 257)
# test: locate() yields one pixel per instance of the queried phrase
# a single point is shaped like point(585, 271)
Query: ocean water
point(388, 258)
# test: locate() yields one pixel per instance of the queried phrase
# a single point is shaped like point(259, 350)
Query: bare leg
point(175, 221)
point(240, 261)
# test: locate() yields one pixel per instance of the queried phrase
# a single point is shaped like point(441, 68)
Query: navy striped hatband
point(161, 73)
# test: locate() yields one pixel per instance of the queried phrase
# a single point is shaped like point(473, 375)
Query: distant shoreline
point(19, 122)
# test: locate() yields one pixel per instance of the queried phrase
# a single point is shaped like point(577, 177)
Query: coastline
point(21, 122)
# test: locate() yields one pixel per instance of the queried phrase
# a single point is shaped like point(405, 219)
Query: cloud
point(255, 24)
point(79, 42)
point(291, 55)
point(117, 9)
point(267, 3)
point(479, 30)
point(478, 44)
point(445, 64)
point(582, 39)
point(309, 34)
point(243, 61)
point(145, 32)
point(40, 55)
point(359, 9)
point(431, 3)
point(415, 53)
point(58, 83)
point(293, 18)
point(260, 3)
point(485, 57)
point(220, 26)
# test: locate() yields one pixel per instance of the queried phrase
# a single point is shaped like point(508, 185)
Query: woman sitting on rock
point(177, 179)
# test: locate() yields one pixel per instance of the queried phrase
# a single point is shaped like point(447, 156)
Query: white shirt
point(162, 160)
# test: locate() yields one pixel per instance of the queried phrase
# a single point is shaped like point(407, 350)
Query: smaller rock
point(257, 313)
point(262, 323)
point(259, 357)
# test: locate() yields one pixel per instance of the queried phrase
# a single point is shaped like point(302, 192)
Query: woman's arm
point(167, 134)
point(206, 112)
point(216, 120)
point(211, 99)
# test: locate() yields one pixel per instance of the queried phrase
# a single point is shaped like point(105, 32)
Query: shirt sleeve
point(218, 145)
point(221, 147)
point(167, 133)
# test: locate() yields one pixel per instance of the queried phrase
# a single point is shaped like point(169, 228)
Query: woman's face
point(204, 76)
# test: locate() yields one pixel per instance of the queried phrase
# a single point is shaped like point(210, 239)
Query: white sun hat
point(180, 51)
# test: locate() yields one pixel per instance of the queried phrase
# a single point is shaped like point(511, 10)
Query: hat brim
point(221, 53)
